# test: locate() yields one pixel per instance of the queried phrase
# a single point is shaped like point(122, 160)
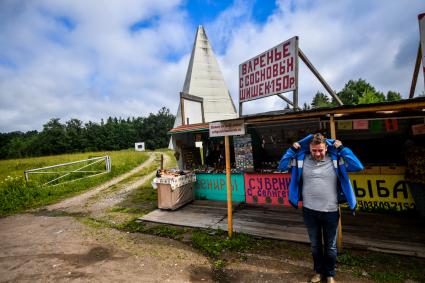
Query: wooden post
point(162, 161)
point(295, 92)
point(332, 126)
point(289, 101)
point(182, 109)
point(319, 77)
point(339, 239)
point(415, 72)
point(240, 109)
point(201, 152)
point(229, 187)
point(202, 110)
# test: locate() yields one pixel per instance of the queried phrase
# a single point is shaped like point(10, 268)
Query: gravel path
point(79, 203)
point(45, 246)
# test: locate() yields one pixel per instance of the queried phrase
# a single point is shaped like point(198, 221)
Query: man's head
point(318, 147)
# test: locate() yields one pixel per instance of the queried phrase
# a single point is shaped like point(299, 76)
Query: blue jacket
point(343, 159)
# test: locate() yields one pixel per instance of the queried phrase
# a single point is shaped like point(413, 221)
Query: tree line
point(76, 136)
point(117, 133)
point(354, 92)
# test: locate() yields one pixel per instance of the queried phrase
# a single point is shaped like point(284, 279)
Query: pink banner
point(360, 124)
point(267, 188)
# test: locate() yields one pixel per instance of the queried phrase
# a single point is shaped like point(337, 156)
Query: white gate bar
point(69, 163)
point(76, 170)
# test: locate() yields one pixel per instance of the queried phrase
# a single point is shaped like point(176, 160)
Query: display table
point(174, 191)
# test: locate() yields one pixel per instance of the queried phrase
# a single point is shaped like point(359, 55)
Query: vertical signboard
point(272, 72)
point(421, 18)
point(243, 153)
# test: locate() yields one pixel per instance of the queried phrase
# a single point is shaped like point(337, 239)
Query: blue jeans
point(324, 252)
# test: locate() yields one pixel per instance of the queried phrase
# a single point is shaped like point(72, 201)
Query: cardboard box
point(173, 199)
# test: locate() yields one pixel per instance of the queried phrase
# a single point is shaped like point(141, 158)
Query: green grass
point(383, 267)
point(165, 231)
point(17, 195)
point(215, 242)
point(211, 242)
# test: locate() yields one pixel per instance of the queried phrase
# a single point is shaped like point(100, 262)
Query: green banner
point(213, 187)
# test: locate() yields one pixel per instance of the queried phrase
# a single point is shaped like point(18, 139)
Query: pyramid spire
point(204, 79)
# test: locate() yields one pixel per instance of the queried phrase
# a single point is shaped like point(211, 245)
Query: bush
point(14, 192)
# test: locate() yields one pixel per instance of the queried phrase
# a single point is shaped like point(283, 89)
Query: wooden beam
point(295, 91)
point(191, 97)
point(288, 101)
point(229, 187)
point(202, 110)
point(339, 238)
point(408, 105)
point(319, 77)
point(240, 109)
point(415, 72)
point(182, 109)
point(332, 125)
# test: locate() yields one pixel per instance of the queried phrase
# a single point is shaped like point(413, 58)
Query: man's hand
point(296, 145)
point(337, 143)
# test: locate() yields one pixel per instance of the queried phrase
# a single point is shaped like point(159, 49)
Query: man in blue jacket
point(319, 177)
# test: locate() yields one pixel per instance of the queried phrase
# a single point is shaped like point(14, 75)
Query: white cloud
point(343, 39)
point(75, 59)
point(95, 67)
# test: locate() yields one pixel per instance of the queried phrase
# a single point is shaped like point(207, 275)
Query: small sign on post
point(226, 129)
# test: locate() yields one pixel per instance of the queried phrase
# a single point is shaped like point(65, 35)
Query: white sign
point(227, 128)
point(421, 18)
point(272, 72)
point(198, 144)
point(418, 129)
point(139, 146)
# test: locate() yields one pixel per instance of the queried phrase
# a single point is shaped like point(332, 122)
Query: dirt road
point(48, 245)
point(54, 244)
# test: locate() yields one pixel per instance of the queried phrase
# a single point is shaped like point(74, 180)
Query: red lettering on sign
point(267, 188)
point(269, 57)
point(264, 74)
point(262, 63)
point(285, 47)
point(278, 84)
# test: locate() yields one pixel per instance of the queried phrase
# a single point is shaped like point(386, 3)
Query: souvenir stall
point(382, 135)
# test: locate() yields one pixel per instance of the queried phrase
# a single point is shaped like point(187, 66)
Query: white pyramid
point(204, 79)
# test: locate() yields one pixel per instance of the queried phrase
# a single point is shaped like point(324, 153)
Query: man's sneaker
point(330, 280)
point(316, 278)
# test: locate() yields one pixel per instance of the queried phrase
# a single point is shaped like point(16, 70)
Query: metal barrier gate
point(65, 173)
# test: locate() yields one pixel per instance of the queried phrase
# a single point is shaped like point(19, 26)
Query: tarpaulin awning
point(189, 128)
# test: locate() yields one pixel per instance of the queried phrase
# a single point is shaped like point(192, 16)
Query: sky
point(94, 59)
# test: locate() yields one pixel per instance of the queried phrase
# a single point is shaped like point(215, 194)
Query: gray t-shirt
point(319, 184)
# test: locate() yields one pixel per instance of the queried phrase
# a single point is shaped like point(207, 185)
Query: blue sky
point(93, 59)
